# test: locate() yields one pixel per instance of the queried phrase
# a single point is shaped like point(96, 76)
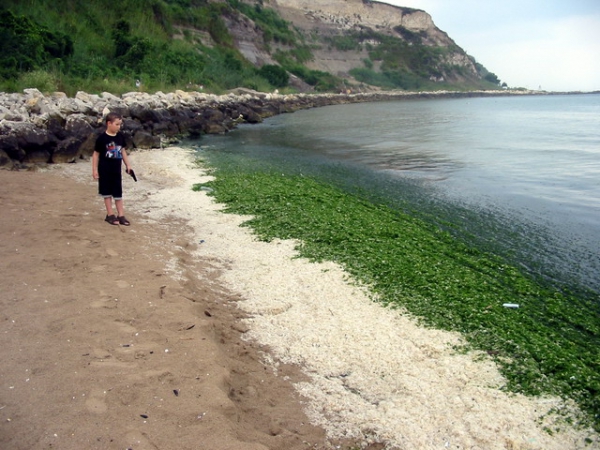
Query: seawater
point(518, 176)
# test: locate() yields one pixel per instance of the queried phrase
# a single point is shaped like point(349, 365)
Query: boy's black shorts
point(110, 185)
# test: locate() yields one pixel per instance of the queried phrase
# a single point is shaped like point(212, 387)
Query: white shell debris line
point(374, 373)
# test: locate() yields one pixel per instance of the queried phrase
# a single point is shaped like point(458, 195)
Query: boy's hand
point(131, 173)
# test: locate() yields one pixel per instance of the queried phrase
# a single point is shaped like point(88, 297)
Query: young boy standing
point(109, 152)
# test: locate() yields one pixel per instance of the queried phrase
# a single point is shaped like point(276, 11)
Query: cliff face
point(320, 22)
point(348, 14)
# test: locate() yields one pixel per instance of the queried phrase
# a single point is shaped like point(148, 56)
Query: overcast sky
point(552, 44)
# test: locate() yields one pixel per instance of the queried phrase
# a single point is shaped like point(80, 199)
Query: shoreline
point(39, 129)
point(348, 342)
point(328, 220)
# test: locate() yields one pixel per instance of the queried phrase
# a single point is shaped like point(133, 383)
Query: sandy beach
point(184, 332)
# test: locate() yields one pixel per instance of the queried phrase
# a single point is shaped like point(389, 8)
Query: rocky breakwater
point(39, 129)
point(44, 129)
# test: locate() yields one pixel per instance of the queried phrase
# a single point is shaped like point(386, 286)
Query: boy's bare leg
point(120, 208)
point(108, 204)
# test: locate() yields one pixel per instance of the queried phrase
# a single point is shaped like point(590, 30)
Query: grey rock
point(36, 129)
point(142, 139)
point(32, 93)
point(38, 156)
point(78, 125)
point(6, 161)
point(67, 151)
point(10, 146)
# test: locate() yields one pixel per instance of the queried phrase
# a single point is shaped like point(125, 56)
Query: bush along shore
point(44, 129)
point(544, 341)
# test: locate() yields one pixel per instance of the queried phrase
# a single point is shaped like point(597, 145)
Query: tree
point(492, 78)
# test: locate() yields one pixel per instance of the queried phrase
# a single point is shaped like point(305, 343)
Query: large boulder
point(56, 127)
point(215, 128)
point(6, 161)
point(193, 126)
point(167, 128)
point(249, 115)
point(14, 114)
point(131, 126)
point(78, 126)
point(142, 139)
point(39, 155)
point(87, 146)
point(10, 146)
point(144, 114)
point(70, 106)
point(33, 144)
point(67, 151)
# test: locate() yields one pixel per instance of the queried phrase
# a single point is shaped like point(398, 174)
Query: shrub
point(345, 43)
point(403, 79)
point(325, 82)
point(40, 79)
point(275, 75)
point(257, 83)
point(218, 30)
point(408, 35)
point(371, 77)
point(26, 45)
point(302, 54)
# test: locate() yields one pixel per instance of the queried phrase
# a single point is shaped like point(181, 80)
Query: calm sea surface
point(517, 176)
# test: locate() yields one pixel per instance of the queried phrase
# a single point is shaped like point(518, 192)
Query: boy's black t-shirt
point(109, 151)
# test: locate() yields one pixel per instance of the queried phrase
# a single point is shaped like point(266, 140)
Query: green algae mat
point(549, 344)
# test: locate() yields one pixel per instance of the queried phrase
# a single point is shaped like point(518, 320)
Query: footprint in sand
point(105, 301)
point(95, 402)
point(135, 439)
point(125, 328)
point(106, 304)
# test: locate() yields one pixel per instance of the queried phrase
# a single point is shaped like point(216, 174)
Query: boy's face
point(114, 126)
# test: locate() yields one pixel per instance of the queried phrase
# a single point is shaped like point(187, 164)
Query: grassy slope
point(115, 44)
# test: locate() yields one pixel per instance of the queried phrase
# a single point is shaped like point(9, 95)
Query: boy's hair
point(111, 117)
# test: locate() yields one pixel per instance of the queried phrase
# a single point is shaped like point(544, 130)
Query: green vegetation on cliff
point(113, 44)
point(167, 44)
point(181, 44)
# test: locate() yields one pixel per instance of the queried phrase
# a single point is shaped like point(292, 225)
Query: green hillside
point(99, 45)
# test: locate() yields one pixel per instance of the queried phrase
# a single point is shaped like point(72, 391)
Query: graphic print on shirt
point(113, 151)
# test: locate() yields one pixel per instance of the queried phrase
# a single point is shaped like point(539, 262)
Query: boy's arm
point(126, 159)
point(95, 158)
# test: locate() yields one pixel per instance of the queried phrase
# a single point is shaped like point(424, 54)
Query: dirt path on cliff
point(184, 332)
